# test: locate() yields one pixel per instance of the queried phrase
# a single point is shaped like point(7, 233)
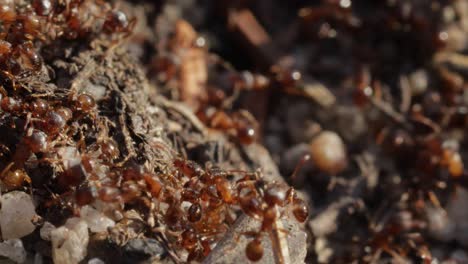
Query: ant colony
point(190, 205)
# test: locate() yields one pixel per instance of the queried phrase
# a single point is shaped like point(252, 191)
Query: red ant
point(240, 124)
point(263, 201)
point(117, 22)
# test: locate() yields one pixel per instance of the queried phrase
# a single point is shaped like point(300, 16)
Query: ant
point(14, 178)
point(209, 191)
point(400, 229)
point(117, 22)
point(265, 201)
point(241, 124)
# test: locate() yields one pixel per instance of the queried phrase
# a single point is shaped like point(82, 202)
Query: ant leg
point(7, 168)
point(130, 27)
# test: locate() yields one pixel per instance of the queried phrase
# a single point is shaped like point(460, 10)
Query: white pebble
point(328, 152)
point(95, 261)
point(457, 213)
point(96, 220)
point(45, 231)
point(14, 250)
point(16, 214)
point(70, 157)
point(38, 259)
point(459, 256)
point(69, 242)
point(419, 80)
point(440, 226)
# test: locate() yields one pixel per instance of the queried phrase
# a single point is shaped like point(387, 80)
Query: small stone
point(419, 81)
point(69, 242)
point(95, 261)
point(141, 249)
point(96, 220)
point(45, 231)
point(440, 226)
point(325, 223)
point(14, 250)
point(38, 259)
point(460, 256)
point(231, 248)
point(70, 156)
point(457, 214)
point(457, 39)
point(17, 210)
point(328, 152)
point(323, 250)
point(350, 122)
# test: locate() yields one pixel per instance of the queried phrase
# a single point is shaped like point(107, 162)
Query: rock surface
point(16, 214)
point(14, 250)
point(96, 220)
point(231, 249)
point(69, 242)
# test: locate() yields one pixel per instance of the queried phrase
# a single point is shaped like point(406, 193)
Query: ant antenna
point(305, 158)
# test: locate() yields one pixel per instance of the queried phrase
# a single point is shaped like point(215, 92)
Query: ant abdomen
point(254, 250)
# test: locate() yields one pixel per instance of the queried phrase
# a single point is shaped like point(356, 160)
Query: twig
point(278, 242)
point(88, 69)
point(405, 88)
point(388, 110)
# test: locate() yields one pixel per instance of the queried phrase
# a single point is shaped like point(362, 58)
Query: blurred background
point(374, 91)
